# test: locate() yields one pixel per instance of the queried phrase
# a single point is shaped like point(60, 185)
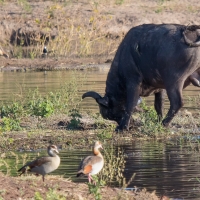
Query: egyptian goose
point(92, 165)
point(43, 165)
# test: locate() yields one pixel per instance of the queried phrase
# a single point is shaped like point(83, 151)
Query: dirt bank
point(78, 32)
point(31, 187)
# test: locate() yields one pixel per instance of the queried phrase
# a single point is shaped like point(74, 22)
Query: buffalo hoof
point(120, 129)
point(165, 123)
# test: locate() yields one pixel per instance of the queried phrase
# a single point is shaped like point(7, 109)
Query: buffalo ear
point(103, 101)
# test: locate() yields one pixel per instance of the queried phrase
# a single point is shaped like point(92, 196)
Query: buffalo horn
point(92, 94)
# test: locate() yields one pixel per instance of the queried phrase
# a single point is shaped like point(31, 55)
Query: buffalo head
point(109, 107)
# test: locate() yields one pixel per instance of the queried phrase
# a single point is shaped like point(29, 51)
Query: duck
point(92, 165)
point(43, 165)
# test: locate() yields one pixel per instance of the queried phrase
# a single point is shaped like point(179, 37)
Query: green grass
point(149, 123)
point(33, 104)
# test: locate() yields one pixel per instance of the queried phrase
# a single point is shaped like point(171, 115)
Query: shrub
point(149, 119)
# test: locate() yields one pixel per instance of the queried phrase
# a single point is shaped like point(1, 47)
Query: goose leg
point(90, 178)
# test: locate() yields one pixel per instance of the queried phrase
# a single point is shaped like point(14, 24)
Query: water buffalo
point(151, 58)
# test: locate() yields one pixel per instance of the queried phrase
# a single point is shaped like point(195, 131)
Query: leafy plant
point(104, 134)
point(149, 120)
point(9, 124)
point(32, 103)
point(50, 195)
point(13, 110)
point(38, 196)
point(53, 195)
point(75, 121)
point(114, 166)
point(41, 107)
point(95, 188)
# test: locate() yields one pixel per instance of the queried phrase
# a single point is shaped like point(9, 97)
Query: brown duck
point(43, 165)
point(92, 165)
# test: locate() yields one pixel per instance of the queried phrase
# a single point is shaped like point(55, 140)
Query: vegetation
point(69, 36)
point(42, 109)
point(73, 38)
point(50, 195)
point(149, 121)
point(34, 104)
point(112, 173)
point(31, 119)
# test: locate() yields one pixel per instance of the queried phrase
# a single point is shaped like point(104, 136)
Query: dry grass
point(82, 28)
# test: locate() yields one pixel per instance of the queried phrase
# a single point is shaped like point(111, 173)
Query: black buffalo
point(151, 58)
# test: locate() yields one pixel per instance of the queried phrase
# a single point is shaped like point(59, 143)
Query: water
point(13, 82)
point(169, 168)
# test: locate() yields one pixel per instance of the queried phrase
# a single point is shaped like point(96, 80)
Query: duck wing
point(87, 163)
point(36, 163)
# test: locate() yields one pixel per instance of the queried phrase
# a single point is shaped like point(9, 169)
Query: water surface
point(169, 168)
point(13, 82)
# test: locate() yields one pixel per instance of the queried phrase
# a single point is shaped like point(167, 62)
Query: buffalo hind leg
point(131, 102)
point(176, 102)
point(159, 104)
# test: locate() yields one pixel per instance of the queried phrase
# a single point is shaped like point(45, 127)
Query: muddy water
point(13, 82)
point(169, 168)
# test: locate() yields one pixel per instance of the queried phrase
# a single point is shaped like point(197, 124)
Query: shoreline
point(50, 64)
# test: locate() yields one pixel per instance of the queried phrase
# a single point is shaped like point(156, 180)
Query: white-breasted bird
point(92, 165)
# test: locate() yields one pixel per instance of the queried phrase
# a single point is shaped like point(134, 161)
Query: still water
point(13, 82)
point(169, 168)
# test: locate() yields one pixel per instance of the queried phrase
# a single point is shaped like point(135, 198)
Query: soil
point(18, 188)
point(16, 19)
point(22, 19)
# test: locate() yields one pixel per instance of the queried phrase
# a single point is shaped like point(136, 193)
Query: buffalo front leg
point(159, 103)
point(131, 102)
point(175, 98)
